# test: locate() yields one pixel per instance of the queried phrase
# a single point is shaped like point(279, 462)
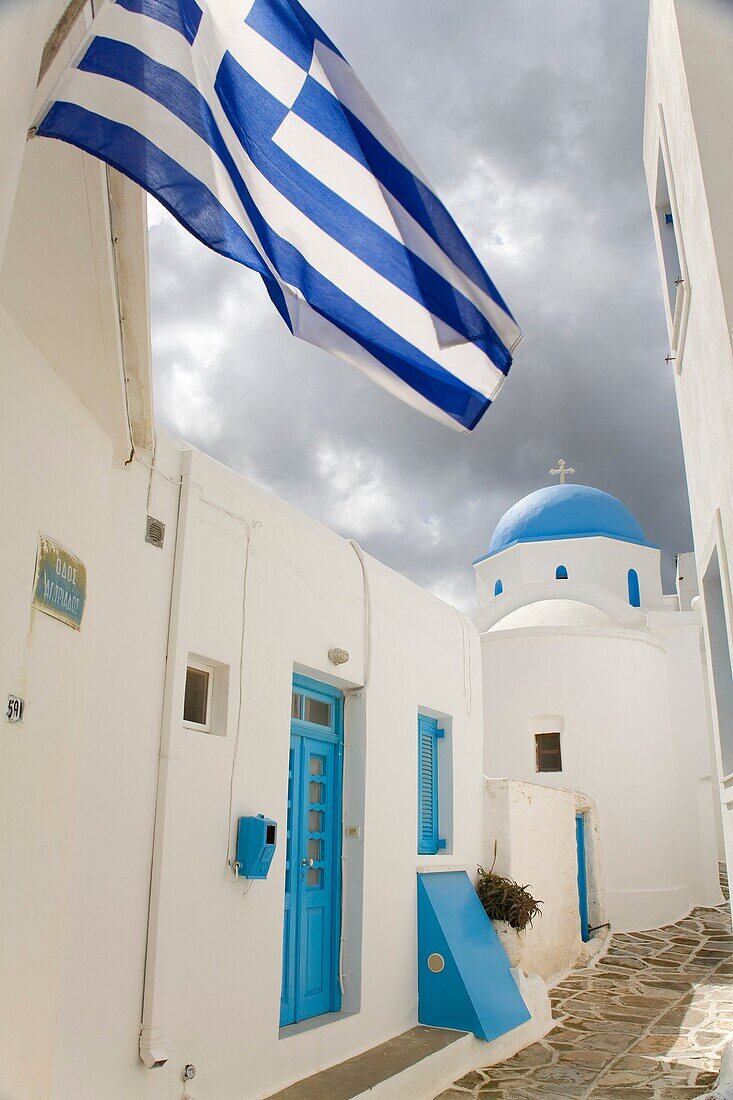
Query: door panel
point(317, 878)
point(315, 944)
point(287, 996)
point(582, 877)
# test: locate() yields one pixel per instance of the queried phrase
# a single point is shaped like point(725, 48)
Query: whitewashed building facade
point(688, 159)
point(181, 650)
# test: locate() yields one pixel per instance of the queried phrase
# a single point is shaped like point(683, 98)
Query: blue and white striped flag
point(246, 122)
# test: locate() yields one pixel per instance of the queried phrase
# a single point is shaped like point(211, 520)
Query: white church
point(247, 773)
point(594, 682)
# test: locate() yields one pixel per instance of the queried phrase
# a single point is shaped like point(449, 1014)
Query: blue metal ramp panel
point(475, 990)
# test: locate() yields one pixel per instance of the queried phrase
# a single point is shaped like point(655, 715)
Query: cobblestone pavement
point(647, 1021)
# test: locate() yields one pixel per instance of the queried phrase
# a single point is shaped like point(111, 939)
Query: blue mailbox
point(256, 842)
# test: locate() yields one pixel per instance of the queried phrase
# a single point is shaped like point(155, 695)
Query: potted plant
point(510, 907)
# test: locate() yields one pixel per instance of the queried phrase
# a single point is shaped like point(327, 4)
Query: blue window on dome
point(561, 573)
point(633, 582)
point(498, 588)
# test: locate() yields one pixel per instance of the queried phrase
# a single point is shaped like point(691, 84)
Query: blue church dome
point(565, 512)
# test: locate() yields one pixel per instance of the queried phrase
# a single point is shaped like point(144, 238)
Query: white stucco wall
point(533, 827)
point(599, 560)
point(24, 28)
point(691, 724)
point(81, 777)
point(78, 777)
point(607, 689)
point(116, 818)
point(305, 594)
point(689, 85)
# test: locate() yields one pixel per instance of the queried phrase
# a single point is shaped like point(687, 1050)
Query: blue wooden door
point(311, 929)
point(582, 876)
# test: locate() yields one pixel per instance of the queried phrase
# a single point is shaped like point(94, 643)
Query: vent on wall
point(154, 532)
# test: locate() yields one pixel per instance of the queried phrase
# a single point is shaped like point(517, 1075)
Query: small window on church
point(561, 573)
point(498, 588)
point(547, 752)
point(634, 593)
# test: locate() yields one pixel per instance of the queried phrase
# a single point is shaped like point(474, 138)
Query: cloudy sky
point(526, 115)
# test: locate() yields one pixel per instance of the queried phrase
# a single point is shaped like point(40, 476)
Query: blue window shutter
point(428, 840)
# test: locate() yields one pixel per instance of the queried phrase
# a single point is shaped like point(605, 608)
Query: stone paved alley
point(647, 1021)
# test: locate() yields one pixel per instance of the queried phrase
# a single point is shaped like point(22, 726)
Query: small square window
point(197, 697)
point(547, 752)
point(317, 711)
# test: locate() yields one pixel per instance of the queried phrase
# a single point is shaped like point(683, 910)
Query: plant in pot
point(510, 907)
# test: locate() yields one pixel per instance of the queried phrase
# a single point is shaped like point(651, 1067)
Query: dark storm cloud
point(527, 118)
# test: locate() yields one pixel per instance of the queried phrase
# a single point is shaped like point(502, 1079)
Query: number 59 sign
point(14, 710)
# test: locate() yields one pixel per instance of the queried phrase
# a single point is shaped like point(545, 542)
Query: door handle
point(307, 862)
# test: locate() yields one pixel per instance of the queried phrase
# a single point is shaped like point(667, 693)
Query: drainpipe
point(152, 1035)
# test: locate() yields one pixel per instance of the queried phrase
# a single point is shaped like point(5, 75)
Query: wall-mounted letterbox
point(256, 842)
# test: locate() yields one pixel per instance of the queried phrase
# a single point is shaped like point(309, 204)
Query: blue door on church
point(312, 925)
point(582, 876)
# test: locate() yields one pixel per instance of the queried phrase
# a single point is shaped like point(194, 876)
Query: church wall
point(505, 567)
point(688, 81)
point(610, 692)
point(602, 561)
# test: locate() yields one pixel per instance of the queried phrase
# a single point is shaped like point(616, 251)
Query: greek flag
point(246, 122)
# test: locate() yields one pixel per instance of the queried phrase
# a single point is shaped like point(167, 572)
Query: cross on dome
point(562, 470)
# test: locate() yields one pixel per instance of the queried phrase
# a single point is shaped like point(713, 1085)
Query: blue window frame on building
point(312, 923)
point(561, 573)
point(498, 588)
point(429, 734)
point(633, 583)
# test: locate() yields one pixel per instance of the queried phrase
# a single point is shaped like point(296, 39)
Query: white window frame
point(715, 545)
point(677, 312)
point(200, 666)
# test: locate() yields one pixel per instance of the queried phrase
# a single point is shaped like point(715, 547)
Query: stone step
point(400, 1068)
